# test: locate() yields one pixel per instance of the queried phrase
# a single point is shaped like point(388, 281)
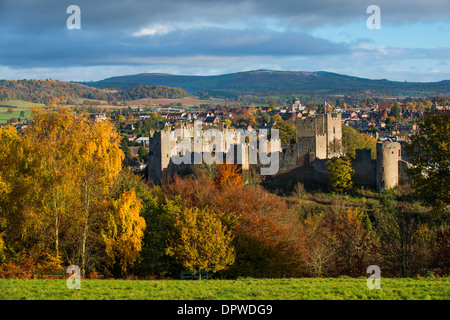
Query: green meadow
point(17, 106)
point(240, 289)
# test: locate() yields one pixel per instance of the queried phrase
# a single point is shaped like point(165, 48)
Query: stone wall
point(365, 168)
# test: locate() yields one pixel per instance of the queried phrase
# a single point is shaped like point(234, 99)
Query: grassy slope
point(247, 288)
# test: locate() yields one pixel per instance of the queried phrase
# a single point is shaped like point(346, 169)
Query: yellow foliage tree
point(55, 139)
point(100, 163)
point(125, 230)
point(78, 161)
point(18, 188)
point(340, 174)
point(200, 241)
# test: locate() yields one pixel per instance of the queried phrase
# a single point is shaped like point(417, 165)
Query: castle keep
point(318, 138)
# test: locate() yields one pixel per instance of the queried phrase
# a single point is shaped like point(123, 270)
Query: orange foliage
point(11, 270)
point(263, 225)
point(26, 267)
point(228, 174)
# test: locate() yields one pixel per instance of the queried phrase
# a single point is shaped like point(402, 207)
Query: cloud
point(68, 47)
point(132, 14)
point(210, 36)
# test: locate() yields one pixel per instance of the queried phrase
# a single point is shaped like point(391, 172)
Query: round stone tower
point(388, 155)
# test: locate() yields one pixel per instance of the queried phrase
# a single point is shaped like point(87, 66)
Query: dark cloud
point(133, 14)
point(33, 34)
point(79, 47)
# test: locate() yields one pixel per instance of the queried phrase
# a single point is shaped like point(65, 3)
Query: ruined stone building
point(319, 136)
point(318, 139)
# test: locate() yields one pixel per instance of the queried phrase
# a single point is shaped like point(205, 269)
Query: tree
point(429, 155)
point(395, 111)
point(121, 119)
point(124, 231)
point(124, 147)
point(272, 104)
point(18, 189)
point(265, 118)
point(100, 163)
point(228, 174)
point(340, 174)
point(200, 241)
point(276, 118)
point(142, 152)
point(265, 230)
point(55, 138)
point(286, 132)
point(156, 117)
point(403, 237)
point(227, 122)
point(76, 163)
point(319, 255)
point(351, 241)
point(353, 140)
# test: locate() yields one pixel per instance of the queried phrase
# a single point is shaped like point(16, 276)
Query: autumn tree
point(340, 174)
point(265, 230)
point(353, 243)
point(55, 138)
point(200, 241)
point(19, 190)
point(429, 155)
point(353, 140)
point(276, 118)
point(100, 163)
point(124, 230)
point(229, 174)
point(319, 254)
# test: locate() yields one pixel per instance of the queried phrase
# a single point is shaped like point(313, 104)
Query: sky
point(209, 37)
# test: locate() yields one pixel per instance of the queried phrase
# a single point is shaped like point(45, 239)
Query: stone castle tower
point(319, 136)
point(160, 153)
point(387, 165)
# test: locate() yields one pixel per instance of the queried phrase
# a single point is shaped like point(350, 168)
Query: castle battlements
point(318, 138)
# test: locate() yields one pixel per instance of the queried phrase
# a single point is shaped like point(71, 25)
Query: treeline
point(57, 202)
point(154, 92)
point(45, 91)
point(60, 92)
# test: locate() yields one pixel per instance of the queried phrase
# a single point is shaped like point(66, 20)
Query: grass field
point(241, 289)
point(17, 106)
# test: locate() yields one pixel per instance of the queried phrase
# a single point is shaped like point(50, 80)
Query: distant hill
point(276, 82)
point(43, 91)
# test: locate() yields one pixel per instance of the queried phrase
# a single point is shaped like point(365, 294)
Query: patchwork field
point(241, 289)
point(17, 106)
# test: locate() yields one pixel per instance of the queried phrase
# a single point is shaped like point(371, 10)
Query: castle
point(318, 139)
